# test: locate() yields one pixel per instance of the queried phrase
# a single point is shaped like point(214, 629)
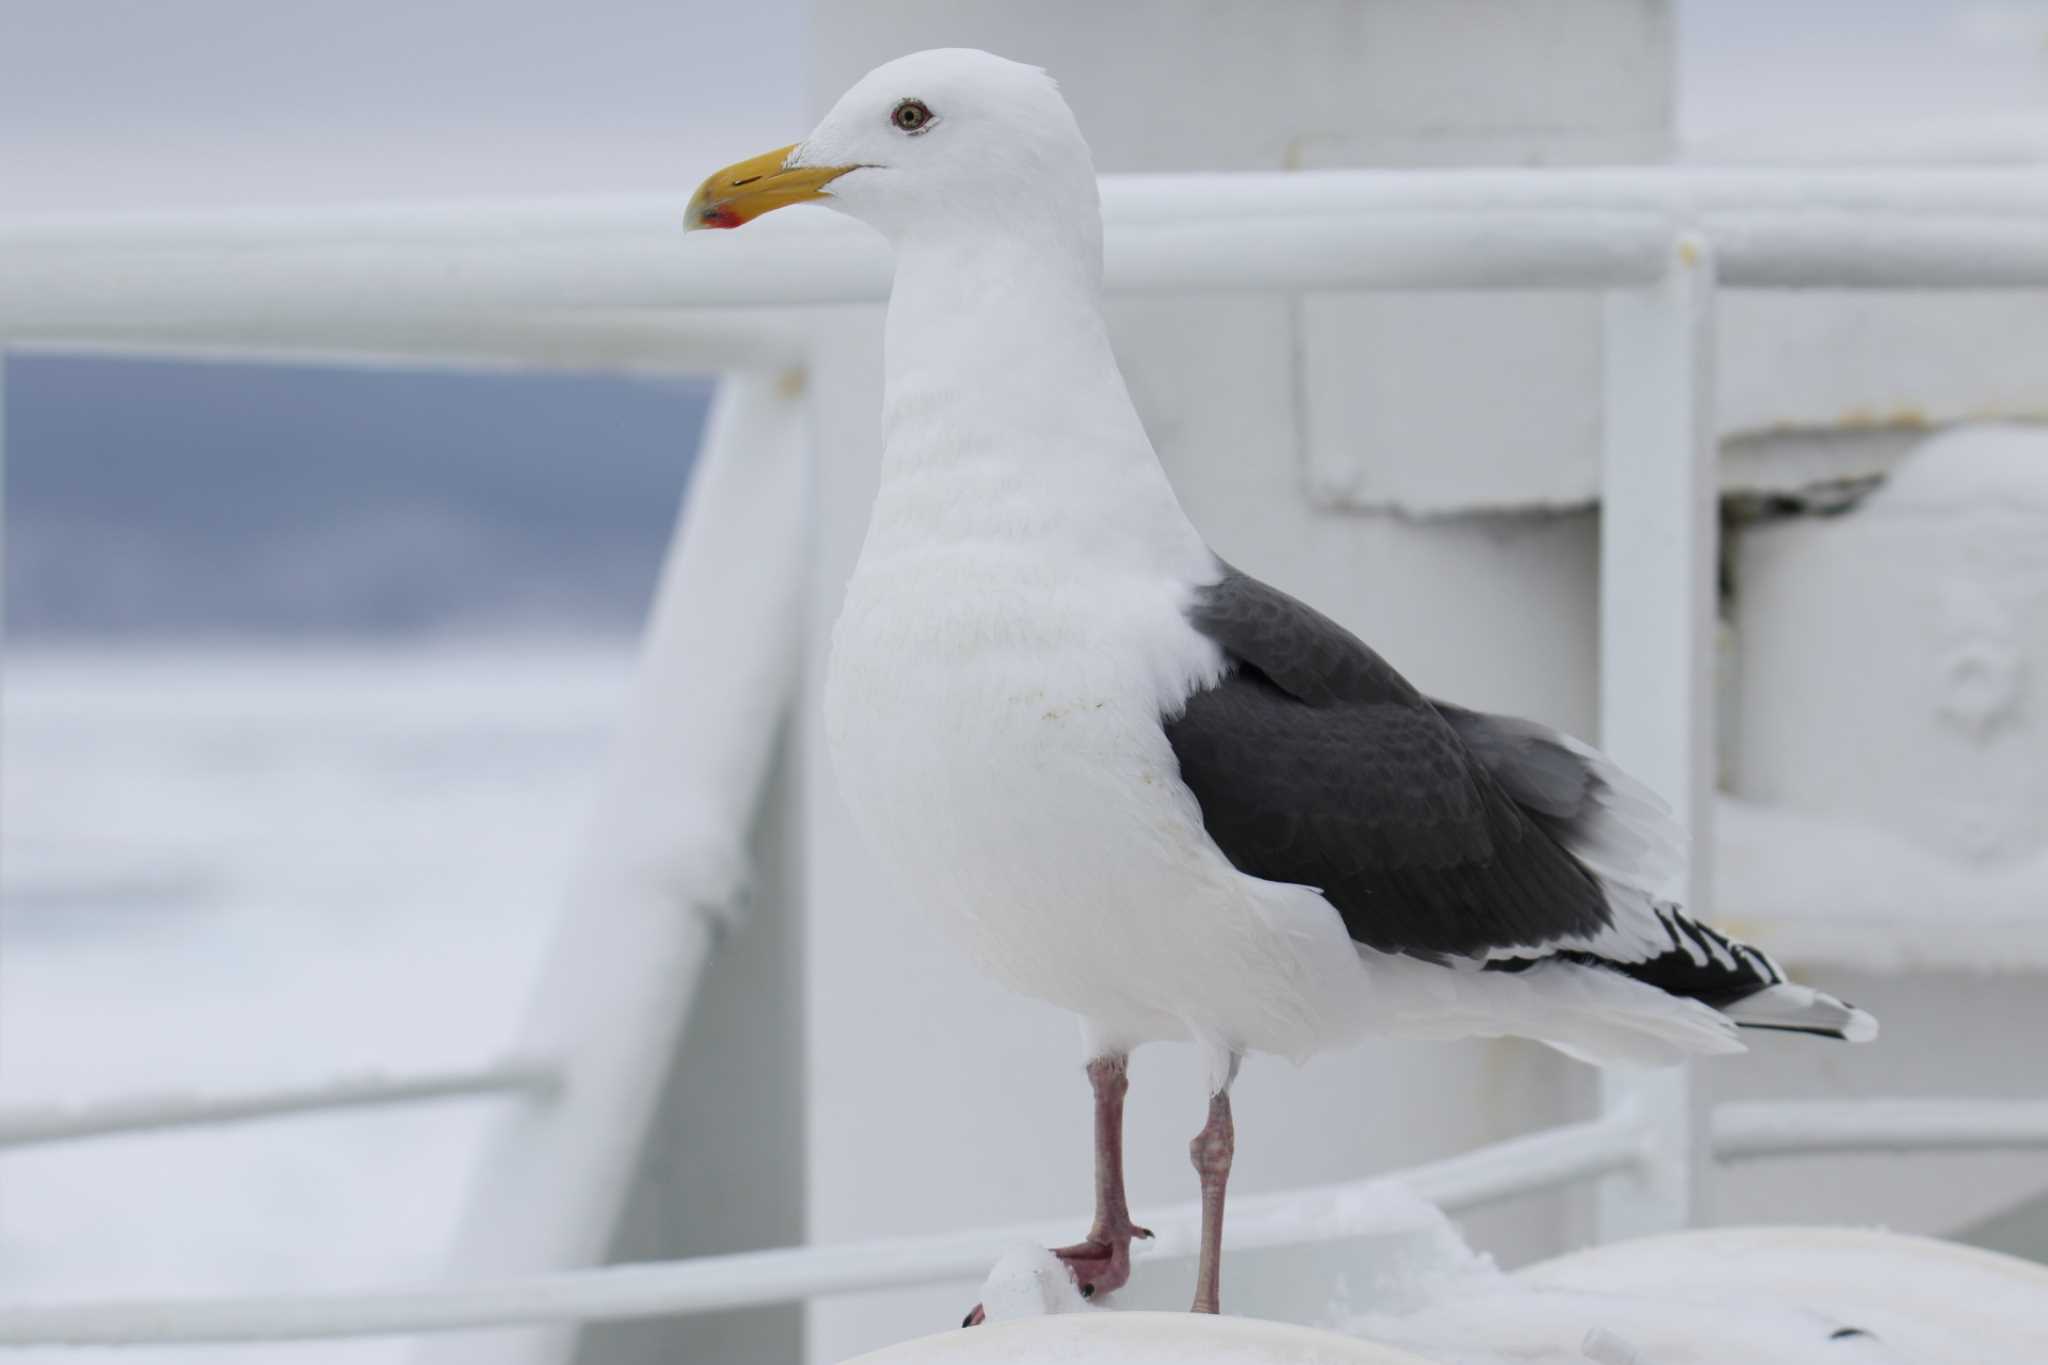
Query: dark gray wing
point(1316, 763)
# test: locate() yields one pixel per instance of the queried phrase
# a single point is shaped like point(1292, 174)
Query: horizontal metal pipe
point(1753, 1130)
point(488, 277)
point(1518, 1166)
point(1840, 249)
point(663, 309)
point(27, 1125)
point(1513, 249)
point(1542, 1160)
point(1669, 189)
point(614, 341)
point(289, 288)
point(1678, 191)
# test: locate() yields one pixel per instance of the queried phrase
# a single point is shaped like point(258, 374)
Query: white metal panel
point(1243, 85)
point(1451, 401)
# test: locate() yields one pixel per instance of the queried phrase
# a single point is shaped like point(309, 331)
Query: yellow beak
point(743, 192)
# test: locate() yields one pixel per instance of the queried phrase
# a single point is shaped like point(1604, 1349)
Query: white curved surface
point(1757, 1296)
point(1751, 1296)
point(1746, 1296)
point(1138, 1339)
point(1925, 1300)
point(1930, 849)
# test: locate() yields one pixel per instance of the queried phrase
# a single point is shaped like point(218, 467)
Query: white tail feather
point(1791, 1006)
point(1590, 1013)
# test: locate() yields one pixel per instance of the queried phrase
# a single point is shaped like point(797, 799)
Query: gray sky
point(117, 103)
point(123, 103)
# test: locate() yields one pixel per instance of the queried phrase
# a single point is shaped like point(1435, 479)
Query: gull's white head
point(950, 139)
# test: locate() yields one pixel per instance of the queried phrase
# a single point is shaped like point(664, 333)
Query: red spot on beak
point(719, 216)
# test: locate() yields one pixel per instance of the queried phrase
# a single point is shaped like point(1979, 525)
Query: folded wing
point(1446, 834)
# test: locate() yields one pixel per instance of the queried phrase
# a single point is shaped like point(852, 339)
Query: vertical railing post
point(1658, 523)
point(3, 491)
point(663, 864)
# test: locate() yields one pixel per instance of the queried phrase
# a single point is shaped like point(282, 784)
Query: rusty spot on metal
point(1906, 418)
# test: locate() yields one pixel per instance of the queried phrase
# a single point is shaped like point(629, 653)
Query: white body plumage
point(1017, 628)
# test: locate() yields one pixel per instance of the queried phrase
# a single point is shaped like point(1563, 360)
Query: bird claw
point(1099, 1266)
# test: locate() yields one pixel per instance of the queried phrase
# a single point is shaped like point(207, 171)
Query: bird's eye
point(912, 116)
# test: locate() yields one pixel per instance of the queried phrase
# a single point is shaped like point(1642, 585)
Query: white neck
point(1004, 413)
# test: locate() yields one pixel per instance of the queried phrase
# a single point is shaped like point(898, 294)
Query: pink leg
point(1211, 1152)
point(1101, 1262)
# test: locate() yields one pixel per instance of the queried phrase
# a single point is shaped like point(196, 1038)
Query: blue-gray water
point(161, 500)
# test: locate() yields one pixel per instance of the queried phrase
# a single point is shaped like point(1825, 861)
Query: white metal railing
point(1614, 1144)
point(1323, 1213)
point(664, 866)
point(608, 283)
point(1660, 518)
point(602, 281)
point(27, 1125)
point(1749, 1130)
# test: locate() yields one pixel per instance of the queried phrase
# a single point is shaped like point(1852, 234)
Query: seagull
point(1131, 779)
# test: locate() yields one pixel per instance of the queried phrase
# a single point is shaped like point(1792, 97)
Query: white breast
point(995, 722)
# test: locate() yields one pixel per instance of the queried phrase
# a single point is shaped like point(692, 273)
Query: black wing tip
point(1810, 1030)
